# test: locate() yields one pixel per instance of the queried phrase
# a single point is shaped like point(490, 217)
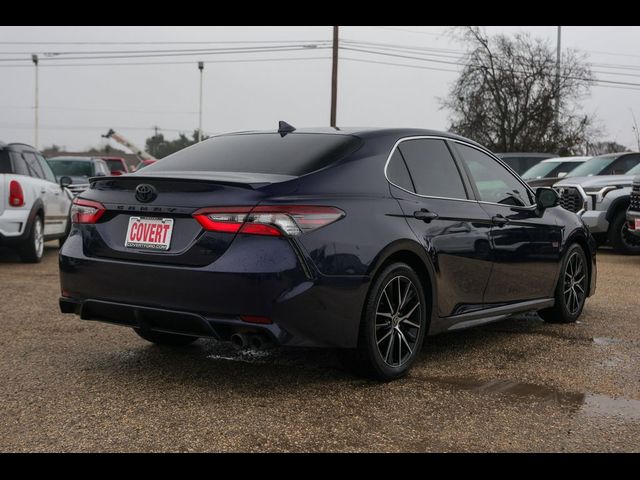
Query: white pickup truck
point(34, 208)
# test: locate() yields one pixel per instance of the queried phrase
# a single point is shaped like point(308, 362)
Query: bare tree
point(602, 148)
point(506, 93)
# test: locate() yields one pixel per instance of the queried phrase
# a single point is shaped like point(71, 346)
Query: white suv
point(34, 208)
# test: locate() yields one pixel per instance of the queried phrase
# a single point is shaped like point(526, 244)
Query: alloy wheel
point(575, 283)
point(38, 238)
point(398, 321)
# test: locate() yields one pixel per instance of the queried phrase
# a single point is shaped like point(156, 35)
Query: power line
point(24, 126)
point(177, 54)
point(186, 62)
point(202, 42)
point(183, 50)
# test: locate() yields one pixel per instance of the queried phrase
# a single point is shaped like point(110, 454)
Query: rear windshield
point(71, 168)
point(5, 162)
point(294, 154)
point(115, 165)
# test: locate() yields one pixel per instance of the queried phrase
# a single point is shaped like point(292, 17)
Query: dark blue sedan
point(364, 240)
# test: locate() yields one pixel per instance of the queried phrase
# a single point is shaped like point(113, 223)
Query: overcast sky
point(79, 103)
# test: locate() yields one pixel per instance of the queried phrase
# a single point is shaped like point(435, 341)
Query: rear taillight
point(86, 211)
point(276, 220)
point(16, 195)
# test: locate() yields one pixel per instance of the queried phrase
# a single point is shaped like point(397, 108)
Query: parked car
point(350, 239)
point(520, 162)
point(609, 164)
point(117, 165)
point(79, 170)
point(144, 163)
point(633, 213)
point(34, 208)
point(602, 199)
point(550, 171)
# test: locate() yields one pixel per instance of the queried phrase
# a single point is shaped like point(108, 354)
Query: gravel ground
point(517, 385)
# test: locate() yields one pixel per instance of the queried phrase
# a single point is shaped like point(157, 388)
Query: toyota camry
point(363, 240)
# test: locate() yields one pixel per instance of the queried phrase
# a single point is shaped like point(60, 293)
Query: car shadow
point(10, 255)
point(211, 364)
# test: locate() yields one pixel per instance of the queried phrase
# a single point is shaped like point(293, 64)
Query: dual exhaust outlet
point(252, 340)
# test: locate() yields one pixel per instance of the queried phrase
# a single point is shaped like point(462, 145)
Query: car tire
point(169, 339)
point(393, 326)
point(620, 238)
point(32, 250)
point(571, 290)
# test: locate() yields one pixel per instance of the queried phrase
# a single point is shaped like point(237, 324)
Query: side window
point(48, 173)
point(35, 169)
point(397, 172)
point(19, 165)
point(630, 161)
point(432, 168)
point(5, 162)
point(495, 184)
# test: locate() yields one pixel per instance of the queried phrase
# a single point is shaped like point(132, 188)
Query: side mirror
point(118, 172)
point(546, 198)
point(65, 181)
point(100, 174)
point(562, 174)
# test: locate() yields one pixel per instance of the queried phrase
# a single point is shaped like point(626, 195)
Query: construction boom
point(130, 145)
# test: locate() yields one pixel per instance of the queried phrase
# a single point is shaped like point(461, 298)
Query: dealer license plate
point(149, 233)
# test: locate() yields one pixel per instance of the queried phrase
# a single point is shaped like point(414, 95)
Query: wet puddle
point(592, 405)
point(606, 341)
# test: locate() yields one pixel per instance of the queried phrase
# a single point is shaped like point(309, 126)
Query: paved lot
point(518, 385)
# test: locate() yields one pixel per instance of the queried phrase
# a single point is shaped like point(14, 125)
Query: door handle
point(425, 215)
point(43, 190)
point(499, 220)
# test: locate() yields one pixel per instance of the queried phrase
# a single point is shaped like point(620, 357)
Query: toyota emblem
point(146, 193)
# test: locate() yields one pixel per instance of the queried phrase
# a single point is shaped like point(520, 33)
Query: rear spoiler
point(237, 179)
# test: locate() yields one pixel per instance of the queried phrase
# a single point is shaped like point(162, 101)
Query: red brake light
point(222, 219)
point(16, 195)
point(86, 211)
point(276, 220)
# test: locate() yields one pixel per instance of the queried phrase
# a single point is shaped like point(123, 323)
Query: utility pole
point(201, 68)
point(334, 77)
point(557, 105)
point(34, 59)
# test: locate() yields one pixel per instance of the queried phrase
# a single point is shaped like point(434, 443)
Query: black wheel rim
point(398, 321)
point(575, 283)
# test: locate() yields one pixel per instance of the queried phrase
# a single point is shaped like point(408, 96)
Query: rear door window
point(432, 168)
point(397, 172)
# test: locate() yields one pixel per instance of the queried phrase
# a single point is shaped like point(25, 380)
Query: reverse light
point(86, 211)
point(272, 220)
point(16, 195)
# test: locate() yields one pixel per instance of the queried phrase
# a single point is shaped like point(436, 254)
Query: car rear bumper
point(306, 308)
point(13, 223)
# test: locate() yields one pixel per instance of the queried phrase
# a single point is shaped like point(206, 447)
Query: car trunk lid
point(174, 197)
